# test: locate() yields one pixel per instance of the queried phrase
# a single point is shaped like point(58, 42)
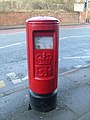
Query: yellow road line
point(2, 84)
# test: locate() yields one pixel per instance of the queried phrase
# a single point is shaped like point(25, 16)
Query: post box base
point(43, 103)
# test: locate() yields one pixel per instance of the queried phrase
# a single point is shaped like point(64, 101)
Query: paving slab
point(85, 117)
point(78, 100)
point(57, 114)
point(65, 84)
point(14, 104)
point(80, 76)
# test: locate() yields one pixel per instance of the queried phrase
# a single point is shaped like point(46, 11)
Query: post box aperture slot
point(44, 55)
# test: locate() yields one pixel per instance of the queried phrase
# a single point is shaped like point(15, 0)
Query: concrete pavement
point(73, 99)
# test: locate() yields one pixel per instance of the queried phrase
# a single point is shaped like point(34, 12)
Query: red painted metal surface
point(42, 53)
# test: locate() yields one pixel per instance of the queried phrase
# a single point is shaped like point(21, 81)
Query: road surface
point(74, 52)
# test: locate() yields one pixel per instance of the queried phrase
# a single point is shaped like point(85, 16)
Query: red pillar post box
point(42, 53)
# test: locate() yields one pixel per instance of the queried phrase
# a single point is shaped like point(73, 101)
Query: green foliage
point(12, 5)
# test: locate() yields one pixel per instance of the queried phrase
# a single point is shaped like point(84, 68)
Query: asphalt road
point(74, 51)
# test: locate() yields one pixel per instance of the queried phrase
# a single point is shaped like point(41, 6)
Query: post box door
point(44, 55)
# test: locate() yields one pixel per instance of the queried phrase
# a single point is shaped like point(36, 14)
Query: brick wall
point(19, 18)
point(82, 17)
